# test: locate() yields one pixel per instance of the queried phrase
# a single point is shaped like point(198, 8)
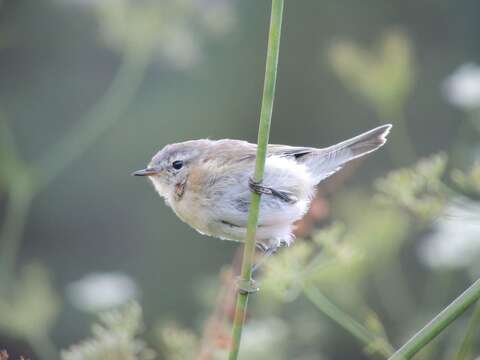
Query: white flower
point(263, 339)
point(462, 88)
point(102, 291)
point(455, 243)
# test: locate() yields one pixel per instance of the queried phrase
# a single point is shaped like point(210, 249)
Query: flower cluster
point(115, 337)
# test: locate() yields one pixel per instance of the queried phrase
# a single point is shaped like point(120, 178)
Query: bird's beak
point(146, 172)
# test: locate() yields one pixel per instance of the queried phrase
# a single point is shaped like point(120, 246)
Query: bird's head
point(172, 164)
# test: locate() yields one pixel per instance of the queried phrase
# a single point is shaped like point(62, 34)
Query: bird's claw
point(267, 252)
point(258, 188)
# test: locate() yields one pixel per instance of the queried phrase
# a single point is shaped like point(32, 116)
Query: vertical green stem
point(43, 348)
point(263, 135)
point(439, 323)
point(18, 206)
point(15, 177)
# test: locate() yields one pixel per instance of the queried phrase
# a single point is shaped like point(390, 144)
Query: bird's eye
point(177, 164)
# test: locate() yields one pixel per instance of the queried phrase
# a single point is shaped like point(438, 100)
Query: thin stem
point(18, 206)
point(15, 177)
point(8, 147)
point(98, 120)
point(355, 328)
point(474, 118)
point(465, 350)
point(43, 348)
point(397, 300)
point(263, 135)
point(439, 323)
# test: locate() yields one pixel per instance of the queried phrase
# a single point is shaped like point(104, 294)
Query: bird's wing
point(321, 163)
point(230, 168)
point(324, 162)
point(289, 151)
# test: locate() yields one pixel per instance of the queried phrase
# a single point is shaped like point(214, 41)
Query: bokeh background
point(91, 89)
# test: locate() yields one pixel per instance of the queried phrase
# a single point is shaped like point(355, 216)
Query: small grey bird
point(207, 183)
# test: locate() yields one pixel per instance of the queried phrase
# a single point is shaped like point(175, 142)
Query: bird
point(208, 183)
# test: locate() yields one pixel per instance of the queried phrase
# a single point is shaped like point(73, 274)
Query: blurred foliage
point(419, 189)
point(171, 28)
point(337, 255)
point(468, 182)
point(383, 76)
point(114, 338)
point(30, 309)
point(364, 279)
point(177, 343)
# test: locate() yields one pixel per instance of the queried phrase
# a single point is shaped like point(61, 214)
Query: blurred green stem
point(397, 300)
point(370, 339)
point(104, 114)
point(18, 206)
point(465, 350)
point(474, 118)
point(23, 183)
point(439, 323)
point(263, 135)
point(43, 348)
point(15, 177)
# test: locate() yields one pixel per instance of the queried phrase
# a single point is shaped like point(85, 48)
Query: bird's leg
point(250, 286)
point(267, 252)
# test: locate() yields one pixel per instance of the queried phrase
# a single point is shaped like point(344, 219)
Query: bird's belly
point(191, 211)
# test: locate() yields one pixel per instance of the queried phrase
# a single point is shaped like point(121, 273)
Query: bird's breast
point(188, 205)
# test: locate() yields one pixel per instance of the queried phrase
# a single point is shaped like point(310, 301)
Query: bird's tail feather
point(329, 160)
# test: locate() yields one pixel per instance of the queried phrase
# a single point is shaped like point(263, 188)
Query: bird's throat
point(180, 189)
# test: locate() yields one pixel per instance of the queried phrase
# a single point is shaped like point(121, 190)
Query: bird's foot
point(267, 252)
point(258, 188)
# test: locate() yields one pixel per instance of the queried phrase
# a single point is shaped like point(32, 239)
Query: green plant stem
point(465, 350)
point(374, 341)
point(18, 206)
point(14, 176)
point(474, 118)
point(397, 301)
point(105, 113)
point(263, 136)
point(439, 323)
point(25, 183)
point(43, 348)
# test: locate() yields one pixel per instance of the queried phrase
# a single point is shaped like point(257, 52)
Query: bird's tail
point(329, 160)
